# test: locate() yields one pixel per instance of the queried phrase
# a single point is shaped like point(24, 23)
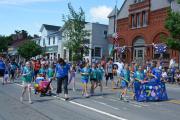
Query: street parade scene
point(105, 61)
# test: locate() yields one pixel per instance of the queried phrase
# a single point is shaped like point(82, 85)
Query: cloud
point(19, 2)
point(100, 13)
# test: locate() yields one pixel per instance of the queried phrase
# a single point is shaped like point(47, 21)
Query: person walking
point(85, 73)
point(100, 72)
point(72, 76)
point(61, 73)
point(26, 81)
point(93, 78)
point(109, 72)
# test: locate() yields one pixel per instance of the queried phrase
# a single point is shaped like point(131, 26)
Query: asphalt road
point(107, 107)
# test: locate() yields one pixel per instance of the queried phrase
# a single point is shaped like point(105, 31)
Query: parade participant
point(109, 72)
point(115, 76)
point(61, 73)
point(26, 81)
point(100, 72)
point(164, 75)
point(177, 77)
point(85, 73)
point(72, 76)
point(93, 78)
point(125, 76)
point(157, 72)
point(50, 74)
point(139, 78)
point(6, 75)
point(13, 68)
point(37, 66)
point(42, 70)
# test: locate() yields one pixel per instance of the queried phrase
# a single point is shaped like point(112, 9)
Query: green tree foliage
point(29, 49)
point(173, 25)
point(74, 33)
point(4, 42)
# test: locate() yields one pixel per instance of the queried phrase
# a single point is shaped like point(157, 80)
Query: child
point(93, 78)
point(100, 72)
point(50, 75)
point(42, 70)
point(177, 77)
point(115, 76)
point(164, 75)
point(72, 76)
point(85, 72)
point(170, 76)
point(125, 76)
point(6, 76)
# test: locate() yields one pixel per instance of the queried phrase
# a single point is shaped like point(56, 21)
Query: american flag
point(121, 49)
point(115, 37)
point(160, 48)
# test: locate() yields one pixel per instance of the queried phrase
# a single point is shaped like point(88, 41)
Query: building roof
point(113, 12)
point(50, 27)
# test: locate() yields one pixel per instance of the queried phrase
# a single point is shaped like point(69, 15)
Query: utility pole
point(115, 31)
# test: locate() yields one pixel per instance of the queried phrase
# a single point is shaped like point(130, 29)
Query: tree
point(4, 42)
point(172, 23)
point(29, 49)
point(74, 33)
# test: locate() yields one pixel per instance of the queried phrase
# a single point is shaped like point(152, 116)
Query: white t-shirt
point(164, 74)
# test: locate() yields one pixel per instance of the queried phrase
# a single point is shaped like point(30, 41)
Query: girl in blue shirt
point(125, 76)
point(85, 73)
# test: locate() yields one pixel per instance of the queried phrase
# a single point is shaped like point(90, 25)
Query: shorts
point(26, 84)
point(124, 84)
point(84, 81)
point(95, 80)
point(110, 75)
point(6, 77)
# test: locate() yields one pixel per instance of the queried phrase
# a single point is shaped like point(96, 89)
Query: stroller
point(42, 86)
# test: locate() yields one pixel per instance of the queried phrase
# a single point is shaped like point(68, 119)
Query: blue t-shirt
point(87, 71)
point(126, 75)
point(2, 65)
point(139, 75)
point(157, 72)
point(62, 70)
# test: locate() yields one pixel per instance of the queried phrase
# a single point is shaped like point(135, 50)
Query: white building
point(50, 40)
point(97, 42)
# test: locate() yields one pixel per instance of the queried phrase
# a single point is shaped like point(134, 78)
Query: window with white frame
point(49, 41)
point(138, 20)
point(138, 1)
point(97, 52)
point(44, 42)
point(53, 40)
point(145, 18)
point(133, 21)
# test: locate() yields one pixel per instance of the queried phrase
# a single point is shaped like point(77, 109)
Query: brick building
point(140, 23)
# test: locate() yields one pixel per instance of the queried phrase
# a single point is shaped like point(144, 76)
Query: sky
point(31, 14)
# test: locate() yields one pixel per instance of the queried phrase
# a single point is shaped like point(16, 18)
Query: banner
point(150, 91)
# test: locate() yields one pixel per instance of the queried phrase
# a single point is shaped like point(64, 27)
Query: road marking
point(99, 111)
point(105, 104)
point(174, 101)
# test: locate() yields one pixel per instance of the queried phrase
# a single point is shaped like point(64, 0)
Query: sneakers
point(30, 102)
point(21, 99)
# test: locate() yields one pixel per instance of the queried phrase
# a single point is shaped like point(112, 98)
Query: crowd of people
point(122, 75)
